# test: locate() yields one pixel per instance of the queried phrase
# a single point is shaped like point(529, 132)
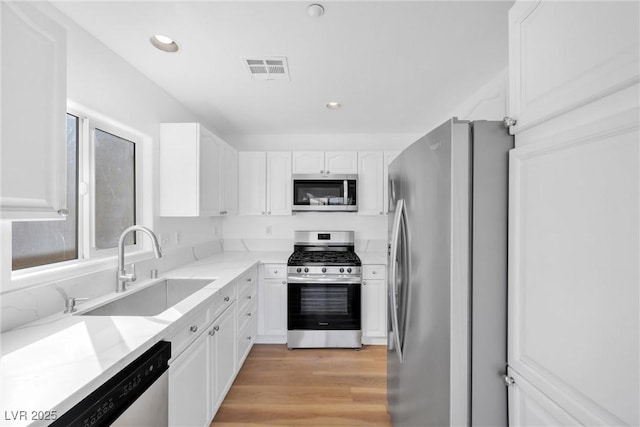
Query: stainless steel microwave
point(313, 192)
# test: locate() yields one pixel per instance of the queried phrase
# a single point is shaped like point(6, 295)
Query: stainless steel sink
point(150, 301)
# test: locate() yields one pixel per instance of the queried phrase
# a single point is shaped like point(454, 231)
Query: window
point(101, 194)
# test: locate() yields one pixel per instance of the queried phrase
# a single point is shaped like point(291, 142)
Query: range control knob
point(306, 270)
point(341, 269)
point(324, 269)
point(298, 269)
point(349, 270)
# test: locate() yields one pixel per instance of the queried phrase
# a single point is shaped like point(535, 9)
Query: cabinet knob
point(322, 171)
point(269, 213)
point(264, 212)
point(249, 297)
point(364, 283)
point(249, 338)
point(275, 271)
point(509, 121)
point(63, 212)
point(328, 172)
point(381, 213)
point(216, 328)
point(284, 282)
point(248, 314)
point(249, 279)
point(194, 328)
point(374, 272)
point(226, 299)
point(212, 332)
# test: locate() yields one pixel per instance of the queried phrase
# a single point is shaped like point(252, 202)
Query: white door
point(388, 158)
point(341, 162)
point(224, 353)
point(308, 162)
point(189, 394)
point(275, 307)
point(209, 164)
point(33, 162)
point(574, 276)
point(252, 170)
point(279, 186)
point(370, 182)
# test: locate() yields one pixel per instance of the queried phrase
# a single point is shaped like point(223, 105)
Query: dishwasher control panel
point(111, 399)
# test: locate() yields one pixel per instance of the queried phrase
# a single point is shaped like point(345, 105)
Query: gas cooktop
point(319, 258)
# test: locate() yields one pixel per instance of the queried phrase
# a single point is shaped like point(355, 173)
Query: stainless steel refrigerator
point(448, 277)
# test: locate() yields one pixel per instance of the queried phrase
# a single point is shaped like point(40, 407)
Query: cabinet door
point(209, 164)
point(189, 394)
point(33, 162)
point(388, 158)
point(370, 183)
point(279, 187)
point(223, 354)
point(341, 162)
point(228, 180)
point(308, 162)
point(252, 168)
point(563, 55)
point(574, 270)
point(274, 304)
point(374, 308)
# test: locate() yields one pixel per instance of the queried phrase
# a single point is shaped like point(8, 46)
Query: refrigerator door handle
point(395, 236)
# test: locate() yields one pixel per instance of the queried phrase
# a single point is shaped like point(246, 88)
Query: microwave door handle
point(346, 192)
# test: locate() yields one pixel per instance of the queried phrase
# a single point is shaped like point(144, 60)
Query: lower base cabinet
point(189, 385)
point(222, 356)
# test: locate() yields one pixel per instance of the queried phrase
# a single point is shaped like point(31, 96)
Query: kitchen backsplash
point(26, 305)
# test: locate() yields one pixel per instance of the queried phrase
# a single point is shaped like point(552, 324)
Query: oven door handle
point(293, 280)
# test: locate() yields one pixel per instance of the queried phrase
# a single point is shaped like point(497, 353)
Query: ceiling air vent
point(268, 68)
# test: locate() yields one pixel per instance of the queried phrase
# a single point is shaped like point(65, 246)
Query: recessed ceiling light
point(315, 10)
point(333, 105)
point(164, 43)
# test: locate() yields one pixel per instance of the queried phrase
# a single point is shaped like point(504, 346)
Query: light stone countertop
point(53, 363)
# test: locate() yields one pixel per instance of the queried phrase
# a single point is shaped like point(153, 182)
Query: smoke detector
point(268, 68)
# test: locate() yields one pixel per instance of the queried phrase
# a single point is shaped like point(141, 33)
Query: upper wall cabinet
point(330, 162)
point(198, 172)
point(370, 183)
point(563, 55)
point(265, 183)
point(33, 152)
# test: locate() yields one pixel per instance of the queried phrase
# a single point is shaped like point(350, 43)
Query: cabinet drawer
point(246, 337)
point(374, 272)
point(247, 280)
point(223, 299)
point(247, 297)
point(247, 313)
point(272, 271)
point(188, 330)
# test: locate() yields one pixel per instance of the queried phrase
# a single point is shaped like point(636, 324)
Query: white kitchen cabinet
point(370, 183)
point(374, 304)
point(388, 158)
point(272, 304)
point(325, 163)
point(265, 183)
point(223, 336)
point(34, 100)
point(279, 186)
point(574, 213)
point(189, 170)
point(189, 389)
point(564, 55)
point(228, 179)
point(252, 167)
point(247, 313)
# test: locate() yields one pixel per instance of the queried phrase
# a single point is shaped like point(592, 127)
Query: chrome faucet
point(123, 276)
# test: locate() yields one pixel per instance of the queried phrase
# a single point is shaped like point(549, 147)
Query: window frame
point(92, 260)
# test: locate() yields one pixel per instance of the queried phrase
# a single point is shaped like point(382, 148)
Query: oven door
point(323, 306)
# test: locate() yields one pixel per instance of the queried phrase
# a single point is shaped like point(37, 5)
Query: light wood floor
point(308, 387)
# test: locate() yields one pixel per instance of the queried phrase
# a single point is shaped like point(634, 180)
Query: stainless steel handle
point(226, 299)
point(194, 328)
point(393, 283)
point(345, 192)
point(304, 278)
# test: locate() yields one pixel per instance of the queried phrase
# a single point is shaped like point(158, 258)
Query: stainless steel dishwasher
point(137, 396)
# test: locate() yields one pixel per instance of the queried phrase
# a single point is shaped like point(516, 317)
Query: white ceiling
point(391, 64)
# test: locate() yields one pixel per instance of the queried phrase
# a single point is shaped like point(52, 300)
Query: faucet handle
point(70, 304)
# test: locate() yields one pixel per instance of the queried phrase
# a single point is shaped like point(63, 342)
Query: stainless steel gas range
point(324, 277)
